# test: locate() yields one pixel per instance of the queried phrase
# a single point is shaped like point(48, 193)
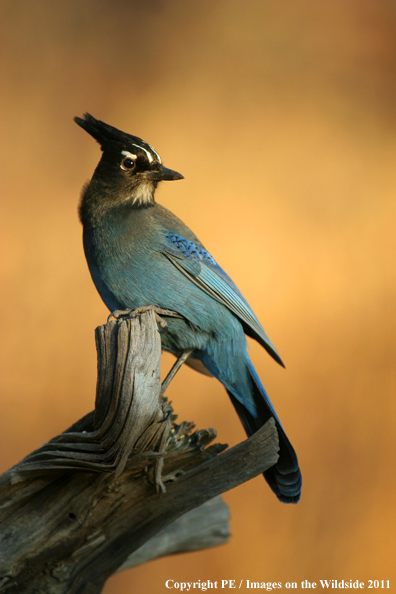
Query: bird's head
point(129, 169)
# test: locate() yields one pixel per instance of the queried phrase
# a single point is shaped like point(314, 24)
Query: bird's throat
point(143, 194)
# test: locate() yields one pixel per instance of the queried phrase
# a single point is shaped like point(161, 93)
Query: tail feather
point(254, 409)
point(284, 477)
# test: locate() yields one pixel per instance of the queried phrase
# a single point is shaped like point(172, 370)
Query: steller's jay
point(141, 254)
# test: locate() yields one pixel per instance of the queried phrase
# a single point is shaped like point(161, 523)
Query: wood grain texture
point(80, 507)
point(201, 528)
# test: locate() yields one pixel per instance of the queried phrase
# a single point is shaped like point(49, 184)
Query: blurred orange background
point(281, 116)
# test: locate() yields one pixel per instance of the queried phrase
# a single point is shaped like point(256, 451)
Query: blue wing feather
point(203, 270)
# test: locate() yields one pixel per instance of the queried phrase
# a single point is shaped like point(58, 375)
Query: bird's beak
point(162, 173)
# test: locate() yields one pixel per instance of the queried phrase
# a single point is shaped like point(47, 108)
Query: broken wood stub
point(70, 518)
point(129, 414)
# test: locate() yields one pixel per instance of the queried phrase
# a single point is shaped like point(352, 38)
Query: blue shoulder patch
point(188, 248)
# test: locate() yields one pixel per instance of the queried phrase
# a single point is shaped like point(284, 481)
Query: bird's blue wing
point(202, 269)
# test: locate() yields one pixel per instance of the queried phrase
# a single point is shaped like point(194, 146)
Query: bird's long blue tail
point(284, 477)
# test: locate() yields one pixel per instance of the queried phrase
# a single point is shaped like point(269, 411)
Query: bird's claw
point(158, 312)
point(120, 313)
point(163, 324)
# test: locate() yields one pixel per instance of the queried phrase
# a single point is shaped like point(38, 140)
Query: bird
point(139, 254)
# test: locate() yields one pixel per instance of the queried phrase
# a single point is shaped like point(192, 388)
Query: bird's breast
point(119, 256)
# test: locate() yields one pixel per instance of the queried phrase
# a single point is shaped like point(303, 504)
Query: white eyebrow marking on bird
point(128, 154)
point(156, 154)
point(149, 157)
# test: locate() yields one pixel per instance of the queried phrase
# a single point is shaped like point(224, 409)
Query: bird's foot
point(120, 313)
point(158, 312)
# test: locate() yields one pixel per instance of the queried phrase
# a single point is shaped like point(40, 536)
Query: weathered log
point(201, 528)
point(80, 507)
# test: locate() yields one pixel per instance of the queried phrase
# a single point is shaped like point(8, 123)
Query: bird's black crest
point(106, 135)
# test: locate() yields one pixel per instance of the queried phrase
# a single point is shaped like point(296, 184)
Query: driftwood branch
point(124, 484)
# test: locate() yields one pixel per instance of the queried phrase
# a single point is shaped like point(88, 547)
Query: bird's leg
point(158, 312)
point(183, 357)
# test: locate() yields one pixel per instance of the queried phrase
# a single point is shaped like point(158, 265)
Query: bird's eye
point(127, 163)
